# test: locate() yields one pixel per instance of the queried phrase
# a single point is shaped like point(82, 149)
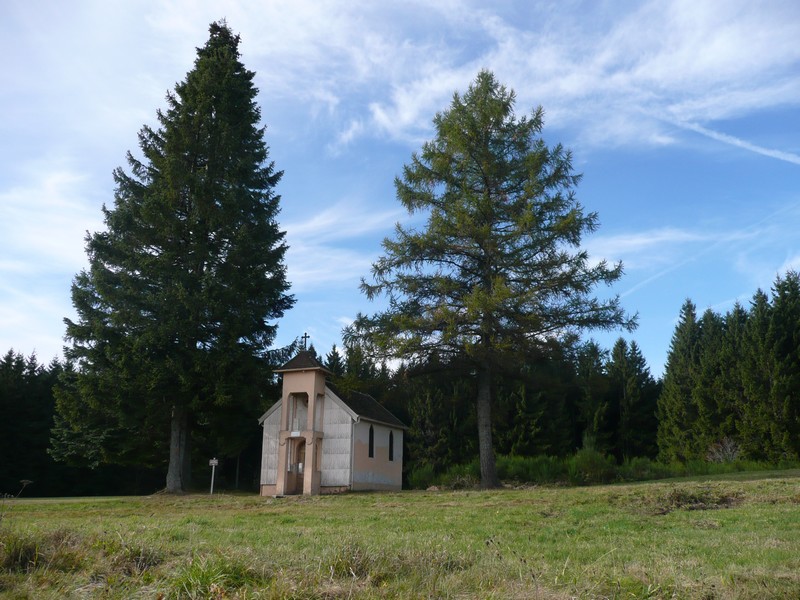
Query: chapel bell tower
point(300, 436)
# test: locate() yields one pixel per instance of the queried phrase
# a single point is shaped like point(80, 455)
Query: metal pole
point(213, 470)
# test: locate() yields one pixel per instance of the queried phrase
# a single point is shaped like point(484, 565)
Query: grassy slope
point(727, 537)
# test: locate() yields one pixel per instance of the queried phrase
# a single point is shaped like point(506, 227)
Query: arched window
point(371, 442)
point(391, 445)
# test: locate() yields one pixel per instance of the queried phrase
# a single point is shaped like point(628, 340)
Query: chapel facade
point(317, 440)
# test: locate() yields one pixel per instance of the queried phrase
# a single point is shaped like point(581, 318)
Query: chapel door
point(299, 466)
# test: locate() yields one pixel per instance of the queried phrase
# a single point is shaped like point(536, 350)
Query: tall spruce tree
point(177, 310)
point(677, 413)
point(593, 383)
point(783, 340)
point(632, 400)
point(334, 362)
point(756, 371)
point(730, 389)
point(706, 383)
point(497, 272)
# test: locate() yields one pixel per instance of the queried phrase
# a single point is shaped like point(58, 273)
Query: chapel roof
point(303, 360)
point(366, 407)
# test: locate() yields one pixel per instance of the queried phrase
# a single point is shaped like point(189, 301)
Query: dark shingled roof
point(303, 360)
point(366, 407)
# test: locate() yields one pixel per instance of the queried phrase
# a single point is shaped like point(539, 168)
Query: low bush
point(462, 477)
point(422, 477)
point(587, 466)
point(531, 469)
point(590, 466)
point(642, 468)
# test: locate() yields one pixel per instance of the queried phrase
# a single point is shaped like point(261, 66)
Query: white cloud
point(792, 263)
point(45, 220)
point(343, 220)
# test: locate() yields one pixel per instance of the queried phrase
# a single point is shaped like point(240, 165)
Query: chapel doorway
point(297, 467)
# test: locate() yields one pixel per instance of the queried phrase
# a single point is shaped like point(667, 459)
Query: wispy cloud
point(657, 253)
point(44, 223)
point(344, 220)
point(328, 247)
point(694, 61)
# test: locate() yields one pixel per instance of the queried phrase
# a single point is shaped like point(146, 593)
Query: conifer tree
point(677, 412)
point(593, 382)
point(644, 421)
point(783, 341)
point(706, 384)
point(632, 401)
point(497, 273)
point(756, 366)
point(176, 313)
point(334, 362)
point(730, 394)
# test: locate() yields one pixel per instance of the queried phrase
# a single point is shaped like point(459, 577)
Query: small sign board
point(213, 462)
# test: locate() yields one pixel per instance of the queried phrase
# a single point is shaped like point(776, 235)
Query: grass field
point(734, 536)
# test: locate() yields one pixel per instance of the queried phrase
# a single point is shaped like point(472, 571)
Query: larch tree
point(177, 310)
point(497, 272)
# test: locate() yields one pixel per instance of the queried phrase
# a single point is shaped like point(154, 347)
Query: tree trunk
point(177, 473)
point(488, 470)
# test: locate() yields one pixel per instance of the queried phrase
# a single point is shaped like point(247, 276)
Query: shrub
point(641, 468)
point(724, 451)
point(461, 477)
point(422, 477)
point(531, 469)
point(590, 466)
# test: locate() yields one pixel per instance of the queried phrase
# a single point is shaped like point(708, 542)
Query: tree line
point(732, 381)
point(729, 391)
point(552, 406)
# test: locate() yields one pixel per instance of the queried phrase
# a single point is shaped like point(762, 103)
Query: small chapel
point(318, 440)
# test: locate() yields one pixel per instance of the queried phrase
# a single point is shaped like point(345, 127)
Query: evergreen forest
point(729, 394)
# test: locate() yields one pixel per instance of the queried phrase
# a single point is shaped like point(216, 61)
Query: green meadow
point(729, 536)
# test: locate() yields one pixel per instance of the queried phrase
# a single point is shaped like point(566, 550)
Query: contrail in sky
point(739, 143)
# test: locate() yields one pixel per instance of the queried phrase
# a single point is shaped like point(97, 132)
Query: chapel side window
point(371, 442)
point(391, 445)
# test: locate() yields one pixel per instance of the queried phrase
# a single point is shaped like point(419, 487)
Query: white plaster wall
point(336, 443)
point(269, 449)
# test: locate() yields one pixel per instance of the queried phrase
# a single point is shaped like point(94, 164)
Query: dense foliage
point(496, 276)
point(732, 381)
point(27, 405)
point(176, 313)
point(579, 398)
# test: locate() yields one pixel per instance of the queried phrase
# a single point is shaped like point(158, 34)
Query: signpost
point(213, 464)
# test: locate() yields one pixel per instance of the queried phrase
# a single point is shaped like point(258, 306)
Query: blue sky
point(683, 116)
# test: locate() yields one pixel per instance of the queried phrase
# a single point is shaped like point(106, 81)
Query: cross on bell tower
point(304, 337)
